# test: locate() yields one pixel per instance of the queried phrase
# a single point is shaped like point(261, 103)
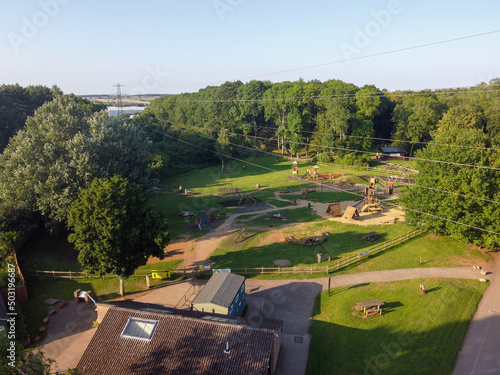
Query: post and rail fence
point(330, 267)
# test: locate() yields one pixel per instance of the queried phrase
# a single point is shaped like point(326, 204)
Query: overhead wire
point(273, 170)
point(418, 46)
point(374, 170)
point(360, 151)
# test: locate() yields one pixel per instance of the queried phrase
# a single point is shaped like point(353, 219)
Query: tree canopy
point(115, 230)
point(64, 146)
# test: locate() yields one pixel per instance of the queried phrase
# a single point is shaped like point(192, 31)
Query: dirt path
point(204, 247)
point(479, 353)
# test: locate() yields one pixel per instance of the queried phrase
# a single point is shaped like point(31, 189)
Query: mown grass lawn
point(416, 334)
point(343, 241)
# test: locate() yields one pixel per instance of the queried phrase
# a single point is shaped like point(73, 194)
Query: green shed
point(223, 294)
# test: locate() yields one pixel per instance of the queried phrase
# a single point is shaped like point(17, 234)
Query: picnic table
point(368, 307)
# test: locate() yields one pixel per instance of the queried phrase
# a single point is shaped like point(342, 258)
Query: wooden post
point(329, 281)
point(327, 268)
point(70, 276)
point(262, 272)
point(122, 287)
point(148, 284)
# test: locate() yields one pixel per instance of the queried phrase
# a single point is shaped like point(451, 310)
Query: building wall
point(238, 303)
point(275, 350)
point(210, 308)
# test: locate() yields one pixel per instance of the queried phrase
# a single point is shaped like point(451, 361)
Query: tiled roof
point(220, 289)
point(392, 149)
point(260, 322)
point(179, 345)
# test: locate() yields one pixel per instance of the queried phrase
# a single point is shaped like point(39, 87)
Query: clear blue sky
point(173, 46)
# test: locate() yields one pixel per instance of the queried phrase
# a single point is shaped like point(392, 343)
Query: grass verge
point(416, 334)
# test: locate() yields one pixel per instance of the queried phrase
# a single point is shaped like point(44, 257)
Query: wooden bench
point(369, 312)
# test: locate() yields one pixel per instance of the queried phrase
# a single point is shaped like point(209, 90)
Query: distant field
point(126, 100)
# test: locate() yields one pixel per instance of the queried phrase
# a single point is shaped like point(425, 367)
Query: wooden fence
point(318, 268)
point(331, 266)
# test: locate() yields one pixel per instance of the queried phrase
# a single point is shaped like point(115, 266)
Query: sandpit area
point(282, 262)
point(389, 216)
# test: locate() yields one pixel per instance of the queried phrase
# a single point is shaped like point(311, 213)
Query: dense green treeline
point(331, 117)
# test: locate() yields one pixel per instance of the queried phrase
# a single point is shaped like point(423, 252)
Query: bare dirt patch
point(282, 262)
point(274, 237)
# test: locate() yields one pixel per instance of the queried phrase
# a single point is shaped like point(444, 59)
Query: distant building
point(392, 153)
point(223, 294)
point(142, 338)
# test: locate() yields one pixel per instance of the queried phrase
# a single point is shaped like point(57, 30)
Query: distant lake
point(113, 111)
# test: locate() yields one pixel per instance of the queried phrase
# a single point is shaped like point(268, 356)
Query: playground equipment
point(314, 175)
point(295, 167)
point(205, 218)
point(334, 210)
point(243, 197)
point(313, 240)
point(185, 214)
point(162, 275)
point(371, 202)
point(351, 213)
point(279, 215)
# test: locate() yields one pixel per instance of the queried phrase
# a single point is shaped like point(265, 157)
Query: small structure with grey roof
point(392, 153)
point(142, 338)
point(223, 294)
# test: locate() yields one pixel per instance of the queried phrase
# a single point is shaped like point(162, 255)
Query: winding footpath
point(480, 353)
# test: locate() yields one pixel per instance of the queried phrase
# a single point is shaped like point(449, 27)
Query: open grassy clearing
point(416, 334)
point(343, 241)
point(46, 252)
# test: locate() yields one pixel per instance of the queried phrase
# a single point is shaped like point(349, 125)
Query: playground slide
point(304, 176)
point(361, 201)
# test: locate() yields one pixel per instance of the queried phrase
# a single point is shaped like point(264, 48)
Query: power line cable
point(360, 151)
point(364, 57)
point(356, 95)
point(368, 169)
point(392, 204)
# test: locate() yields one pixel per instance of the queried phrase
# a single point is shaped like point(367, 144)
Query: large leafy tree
point(16, 104)
point(466, 181)
point(416, 118)
point(115, 230)
point(63, 147)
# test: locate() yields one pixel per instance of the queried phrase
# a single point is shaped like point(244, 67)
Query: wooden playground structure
point(313, 174)
point(245, 199)
point(371, 202)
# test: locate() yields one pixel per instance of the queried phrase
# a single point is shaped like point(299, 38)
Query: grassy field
point(417, 334)
point(46, 252)
point(343, 241)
